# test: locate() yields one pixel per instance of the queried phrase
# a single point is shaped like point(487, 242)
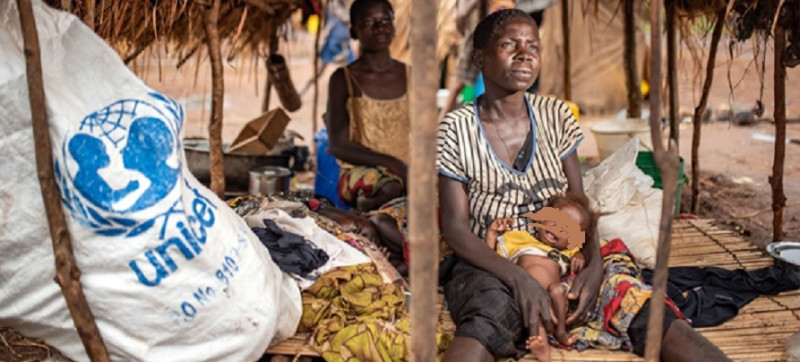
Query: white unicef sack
point(170, 272)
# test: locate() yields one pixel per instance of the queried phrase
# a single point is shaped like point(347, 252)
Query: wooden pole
point(700, 110)
point(315, 106)
point(422, 181)
point(267, 90)
point(631, 72)
point(776, 180)
point(567, 51)
point(672, 70)
point(273, 48)
point(88, 18)
point(667, 162)
point(67, 273)
point(217, 95)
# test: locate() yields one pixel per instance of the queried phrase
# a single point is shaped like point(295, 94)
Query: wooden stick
point(67, 273)
point(667, 162)
point(776, 180)
point(422, 181)
point(88, 18)
point(631, 72)
point(700, 110)
point(315, 106)
point(267, 89)
point(567, 52)
point(672, 70)
point(217, 96)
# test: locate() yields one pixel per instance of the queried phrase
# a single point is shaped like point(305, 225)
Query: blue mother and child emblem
point(143, 135)
point(149, 144)
point(118, 175)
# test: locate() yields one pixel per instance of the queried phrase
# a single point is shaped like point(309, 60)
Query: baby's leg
point(546, 272)
point(558, 298)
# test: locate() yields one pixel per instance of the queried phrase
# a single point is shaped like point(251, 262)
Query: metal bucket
point(268, 180)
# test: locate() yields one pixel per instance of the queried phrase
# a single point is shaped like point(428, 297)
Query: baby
point(553, 254)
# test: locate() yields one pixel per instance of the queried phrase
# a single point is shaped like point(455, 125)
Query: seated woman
point(367, 114)
point(497, 157)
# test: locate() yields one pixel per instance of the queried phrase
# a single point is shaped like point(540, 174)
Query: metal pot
point(268, 180)
point(236, 165)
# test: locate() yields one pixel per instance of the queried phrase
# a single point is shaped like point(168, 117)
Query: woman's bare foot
point(539, 347)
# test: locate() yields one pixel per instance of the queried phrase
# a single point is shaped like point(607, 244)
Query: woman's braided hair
point(491, 26)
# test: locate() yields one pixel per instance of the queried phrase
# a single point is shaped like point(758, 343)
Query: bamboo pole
point(217, 96)
point(315, 106)
point(667, 162)
point(776, 180)
point(700, 110)
point(631, 73)
point(672, 70)
point(67, 273)
point(567, 51)
point(422, 181)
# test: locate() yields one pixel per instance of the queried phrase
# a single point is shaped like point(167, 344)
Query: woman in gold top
point(367, 115)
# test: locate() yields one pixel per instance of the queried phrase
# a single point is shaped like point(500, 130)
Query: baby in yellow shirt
point(561, 232)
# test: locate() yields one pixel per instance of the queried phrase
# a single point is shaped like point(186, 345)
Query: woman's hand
point(585, 288)
point(533, 300)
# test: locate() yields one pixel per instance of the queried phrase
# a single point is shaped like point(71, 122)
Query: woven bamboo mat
point(758, 333)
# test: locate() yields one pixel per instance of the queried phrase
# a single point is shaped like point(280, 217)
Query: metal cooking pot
point(236, 165)
point(268, 180)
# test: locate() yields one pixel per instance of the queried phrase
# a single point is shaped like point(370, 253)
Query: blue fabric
point(327, 178)
point(338, 41)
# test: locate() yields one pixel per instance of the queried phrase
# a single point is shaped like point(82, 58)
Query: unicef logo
point(123, 159)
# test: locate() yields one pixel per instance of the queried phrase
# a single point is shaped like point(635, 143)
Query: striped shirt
point(495, 189)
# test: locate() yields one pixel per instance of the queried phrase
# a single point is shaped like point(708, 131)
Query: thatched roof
point(131, 26)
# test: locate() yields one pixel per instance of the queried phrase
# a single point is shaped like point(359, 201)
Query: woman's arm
point(587, 283)
point(338, 123)
point(532, 298)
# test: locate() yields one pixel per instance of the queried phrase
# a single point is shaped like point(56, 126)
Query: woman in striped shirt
point(503, 156)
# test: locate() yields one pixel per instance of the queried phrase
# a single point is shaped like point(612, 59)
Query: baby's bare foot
point(565, 338)
point(539, 347)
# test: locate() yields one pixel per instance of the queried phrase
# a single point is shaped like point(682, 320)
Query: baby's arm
point(497, 227)
point(577, 263)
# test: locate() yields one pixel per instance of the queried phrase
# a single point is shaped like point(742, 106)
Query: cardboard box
point(261, 134)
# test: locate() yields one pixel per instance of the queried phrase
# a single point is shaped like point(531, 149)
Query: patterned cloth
point(622, 295)
point(516, 243)
point(354, 316)
point(363, 181)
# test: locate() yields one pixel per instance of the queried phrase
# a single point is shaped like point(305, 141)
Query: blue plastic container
point(327, 177)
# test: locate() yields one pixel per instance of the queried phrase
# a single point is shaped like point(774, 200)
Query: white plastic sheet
point(629, 207)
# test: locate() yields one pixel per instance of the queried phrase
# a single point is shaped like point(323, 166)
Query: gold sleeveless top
point(380, 125)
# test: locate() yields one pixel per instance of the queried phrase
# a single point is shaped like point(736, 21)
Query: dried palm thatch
point(132, 26)
point(746, 18)
point(694, 8)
